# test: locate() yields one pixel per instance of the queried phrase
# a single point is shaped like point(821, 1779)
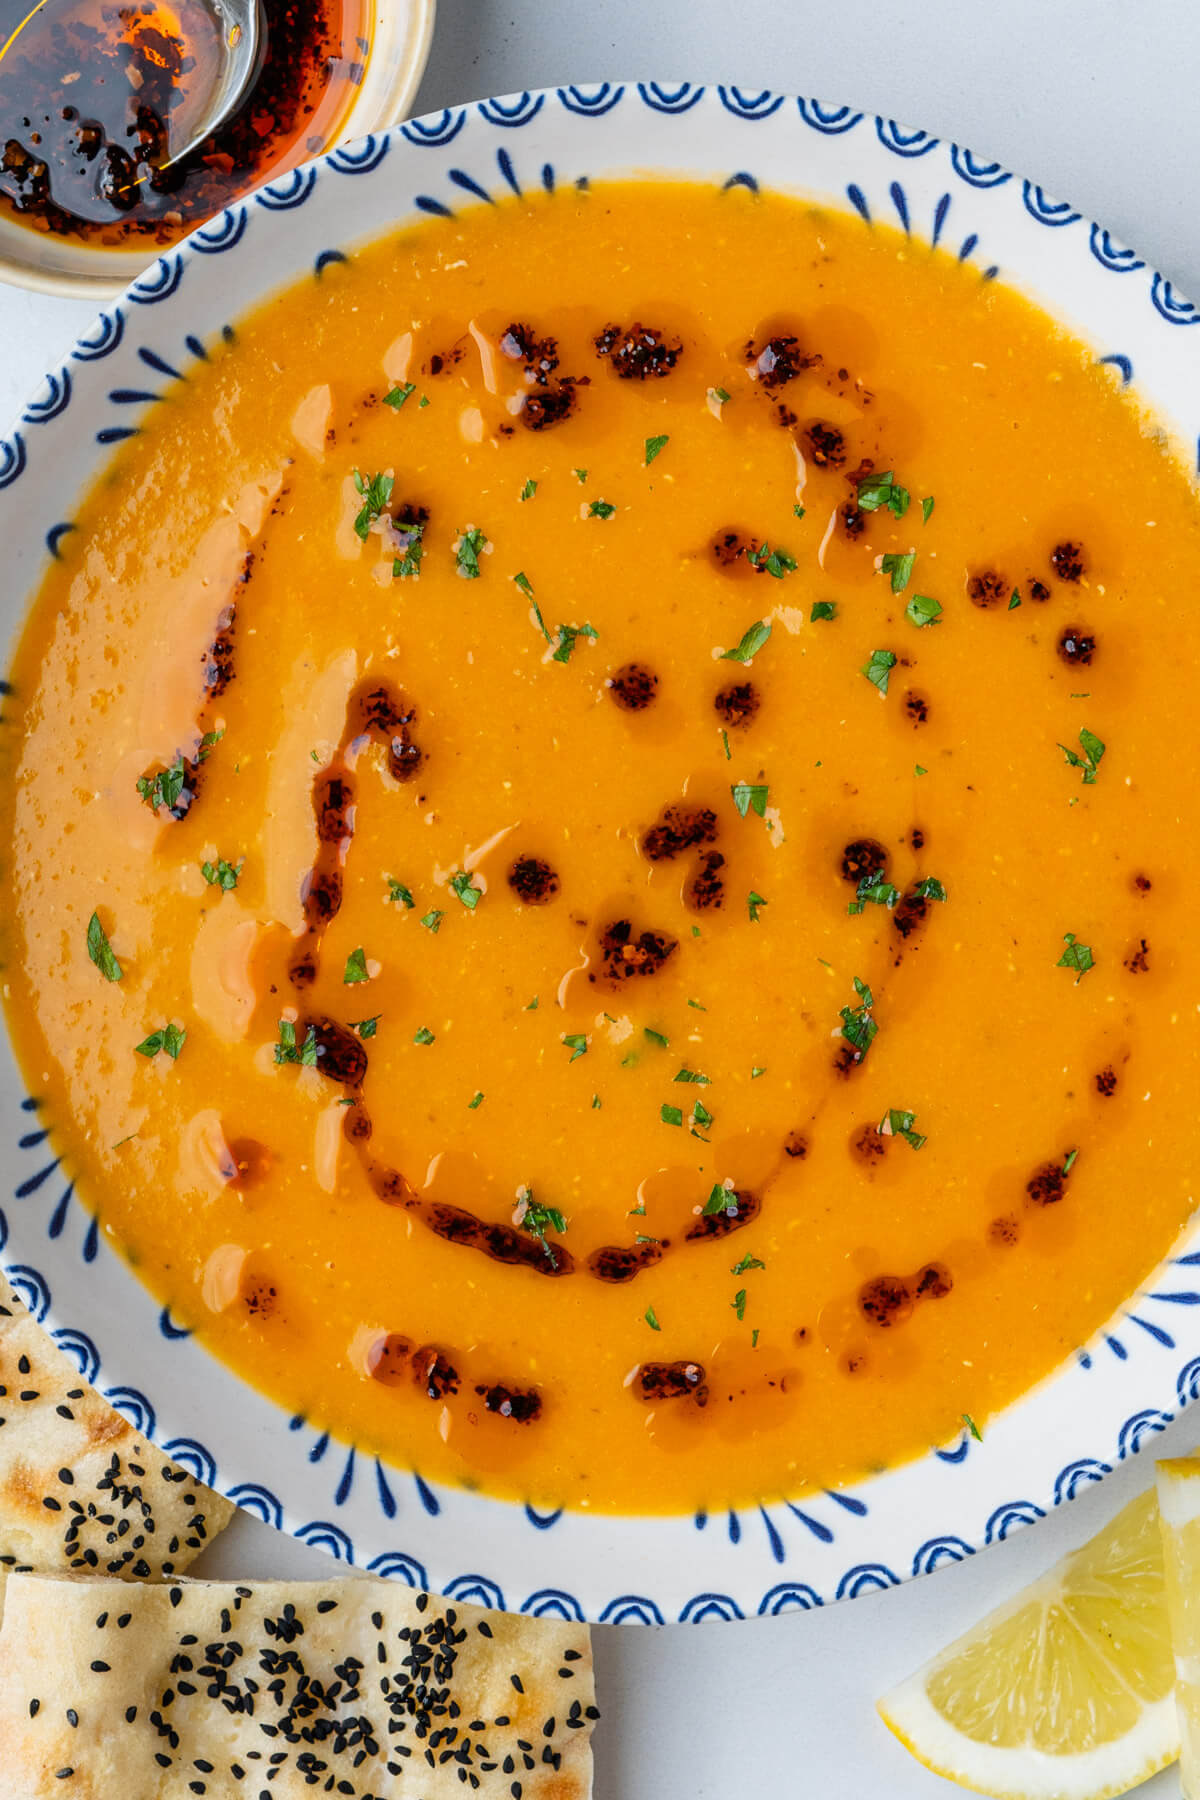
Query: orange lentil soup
point(603, 901)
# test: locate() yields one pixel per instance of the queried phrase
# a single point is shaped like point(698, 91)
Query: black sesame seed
point(72, 1718)
point(35, 1707)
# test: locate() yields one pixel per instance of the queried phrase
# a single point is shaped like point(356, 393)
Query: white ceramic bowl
point(1108, 1399)
point(401, 32)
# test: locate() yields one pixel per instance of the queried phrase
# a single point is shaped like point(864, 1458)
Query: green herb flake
point(529, 490)
point(469, 549)
point(749, 796)
point(720, 395)
point(879, 669)
point(222, 874)
point(899, 565)
point(533, 1005)
point(797, 512)
point(691, 1075)
point(376, 491)
point(526, 586)
point(537, 1220)
point(596, 1103)
point(755, 1073)
point(651, 1318)
point(755, 902)
point(462, 886)
point(356, 967)
point(288, 1051)
point(164, 788)
point(776, 562)
point(875, 491)
point(601, 509)
point(922, 610)
point(580, 475)
point(399, 394)
point(700, 1116)
point(897, 1123)
point(408, 566)
point(398, 894)
point(656, 1037)
point(100, 950)
point(1015, 600)
point(433, 919)
point(822, 609)
point(721, 1199)
point(927, 506)
point(366, 1028)
point(752, 641)
point(567, 637)
point(972, 1427)
point(424, 1036)
point(738, 1304)
point(930, 888)
point(725, 742)
point(577, 1043)
point(654, 446)
point(871, 891)
point(423, 401)
point(671, 1115)
point(918, 770)
point(1069, 1161)
point(754, 1338)
point(858, 1026)
point(1093, 749)
point(747, 1263)
point(697, 1006)
point(1076, 956)
point(169, 1038)
point(476, 1100)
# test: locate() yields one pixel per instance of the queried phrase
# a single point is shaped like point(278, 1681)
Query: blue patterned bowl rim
point(1104, 1404)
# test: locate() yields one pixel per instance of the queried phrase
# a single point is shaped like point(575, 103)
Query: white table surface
point(1096, 100)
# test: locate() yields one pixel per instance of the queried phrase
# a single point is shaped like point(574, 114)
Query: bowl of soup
point(598, 966)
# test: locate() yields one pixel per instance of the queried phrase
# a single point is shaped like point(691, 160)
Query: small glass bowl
point(401, 34)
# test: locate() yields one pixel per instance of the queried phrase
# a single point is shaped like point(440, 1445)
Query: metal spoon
point(242, 37)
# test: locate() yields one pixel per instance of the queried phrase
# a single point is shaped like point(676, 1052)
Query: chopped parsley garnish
point(697, 1006)
point(747, 1263)
point(738, 1303)
point(750, 796)
point(776, 562)
point(529, 490)
point(700, 1116)
point(918, 770)
point(755, 1073)
point(101, 951)
point(653, 446)
point(897, 1123)
point(366, 1028)
point(823, 609)
point(871, 891)
point(222, 874)
point(692, 1075)
point(288, 1051)
point(875, 491)
point(858, 1026)
point(596, 1103)
point(164, 788)
point(968, 1421)
point(470, 547)
point(567, 636)
point(671, 1115)
point(424, 1036)
point(526, 586)
point(398, 894)
point(463, 887)
point(922, 610)
point(399, 394)
point(798, 512)
point(899, 565)
point(651, 1318)
point(926, 508)
point(537, 1220)
point(601, 509)
point(356, 967)
point(755, 902)
point(930, 888)
point(1076, 956)
point(376, 491)
point(656, 1037)
point(169, 1038)
point(576, 1042)
point(207, 742)
point(1015, 600)
point(580, 475)
point(721, 1199)
point(1093, 749)
point(408, 566)
point(432, 919)
point(752, 641)
point(878, 670)
point(533, 1005)
point(725, 742)
point(424, 400)
point(1069, 1161)
point(719, 395)
point(475, 1101)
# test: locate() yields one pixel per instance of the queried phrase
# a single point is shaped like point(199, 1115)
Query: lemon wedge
point(1065, 1693)
point(1179, 1515)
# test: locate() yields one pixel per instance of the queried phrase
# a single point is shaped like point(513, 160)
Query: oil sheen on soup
point(602, 887)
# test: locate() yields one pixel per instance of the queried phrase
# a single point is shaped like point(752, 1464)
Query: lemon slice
point(1179, 1515)
point(1066, 1693)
